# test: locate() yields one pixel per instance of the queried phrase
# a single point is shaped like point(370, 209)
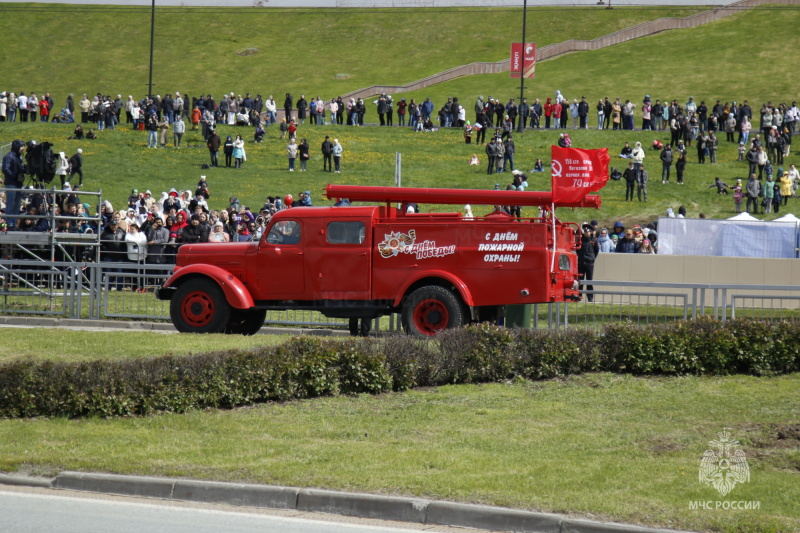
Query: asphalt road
point(33, 510)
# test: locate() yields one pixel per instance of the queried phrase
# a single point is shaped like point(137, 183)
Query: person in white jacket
point(63, 168)
point(136, 242)
point(337, 155)
point(637, 156)
point(270, 107)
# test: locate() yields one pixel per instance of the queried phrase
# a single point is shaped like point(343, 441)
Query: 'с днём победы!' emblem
point(397, 243)
point(725, 464)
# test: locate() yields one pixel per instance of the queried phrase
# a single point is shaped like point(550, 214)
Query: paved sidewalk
point(410, 510)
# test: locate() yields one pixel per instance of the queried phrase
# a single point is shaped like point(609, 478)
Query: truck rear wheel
point(246, 321)
point(431, 309)
point(199, 306)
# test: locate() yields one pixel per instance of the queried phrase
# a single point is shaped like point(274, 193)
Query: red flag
point(576, 172)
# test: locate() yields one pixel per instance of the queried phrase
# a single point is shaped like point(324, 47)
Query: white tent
point(744, 215)
point(742, 236)
point(788, 218)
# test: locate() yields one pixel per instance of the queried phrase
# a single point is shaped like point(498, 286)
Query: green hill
point(721, 60)
point(88, 49)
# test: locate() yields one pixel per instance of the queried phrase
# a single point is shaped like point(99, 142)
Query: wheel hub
point(431, 316)
point(198, 309)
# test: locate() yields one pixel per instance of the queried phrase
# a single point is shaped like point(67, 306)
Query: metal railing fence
point(124, 290)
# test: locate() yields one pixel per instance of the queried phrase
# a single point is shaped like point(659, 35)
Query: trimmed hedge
point(307, 367)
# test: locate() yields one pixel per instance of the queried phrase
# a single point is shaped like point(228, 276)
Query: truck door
point(344, 269)
point(281, 269)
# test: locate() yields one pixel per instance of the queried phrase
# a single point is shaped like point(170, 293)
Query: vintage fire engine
point(438, 270)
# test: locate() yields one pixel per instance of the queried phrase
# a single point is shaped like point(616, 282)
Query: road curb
point(363, 505)
point(588, 526)
point(411, 510)
point(236, 494)
point(151, 487)
point(487, 517)
point(23, 481)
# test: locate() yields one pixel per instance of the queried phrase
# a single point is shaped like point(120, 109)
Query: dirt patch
point(250, 51)
point(662, 446)
point(789, 432)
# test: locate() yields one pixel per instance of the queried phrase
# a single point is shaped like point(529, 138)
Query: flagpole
point(555, 247)
point(520, 127)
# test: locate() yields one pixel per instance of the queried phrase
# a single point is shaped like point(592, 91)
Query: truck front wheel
point(199, 306)
point(431, 309)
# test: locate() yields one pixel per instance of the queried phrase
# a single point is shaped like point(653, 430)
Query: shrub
point(307, 367)
point(476, 353)
point(540, 354)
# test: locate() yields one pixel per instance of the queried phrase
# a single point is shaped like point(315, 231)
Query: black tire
point(431, 309)
point(246, 321)
point(199, 306)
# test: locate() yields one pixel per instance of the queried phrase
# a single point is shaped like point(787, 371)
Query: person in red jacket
point(548, 112)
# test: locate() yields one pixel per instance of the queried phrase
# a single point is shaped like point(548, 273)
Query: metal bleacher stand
point(59, 245)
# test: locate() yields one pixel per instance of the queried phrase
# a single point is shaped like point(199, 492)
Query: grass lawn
point(66, 345)
point(600, 446)
point(273, 51)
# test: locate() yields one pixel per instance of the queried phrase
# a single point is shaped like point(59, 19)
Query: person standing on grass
point(163, 132)
point(491, 155)
point(333, 106)
point(327, 154)
point(213, 147)
point(152, 131)
point(769, 194)
point(666, 163)
point(753, 189)
point(178, 129)
point(291, 151)
point(303, 151)
point(637, 156)
point(629, 175)
point(337, 155)
point(680, 166)
point(288, 105)
point(238, 151)
point(302, 106)
point(641, 183)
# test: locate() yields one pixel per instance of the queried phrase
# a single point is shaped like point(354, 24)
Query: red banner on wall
point(576, 172)
point(523, 59)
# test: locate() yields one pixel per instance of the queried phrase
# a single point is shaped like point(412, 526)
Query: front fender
point(460, 286)
point(235, 292)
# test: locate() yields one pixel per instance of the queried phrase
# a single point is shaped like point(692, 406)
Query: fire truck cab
point(438, 270)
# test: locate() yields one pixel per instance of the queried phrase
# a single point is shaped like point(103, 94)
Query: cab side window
point(285, 232)
point(345, 232)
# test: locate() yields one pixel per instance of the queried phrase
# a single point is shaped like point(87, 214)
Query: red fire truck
point(438, 270)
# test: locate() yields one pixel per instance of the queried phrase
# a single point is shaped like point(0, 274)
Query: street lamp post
point(520, 125)
point(152, 39)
